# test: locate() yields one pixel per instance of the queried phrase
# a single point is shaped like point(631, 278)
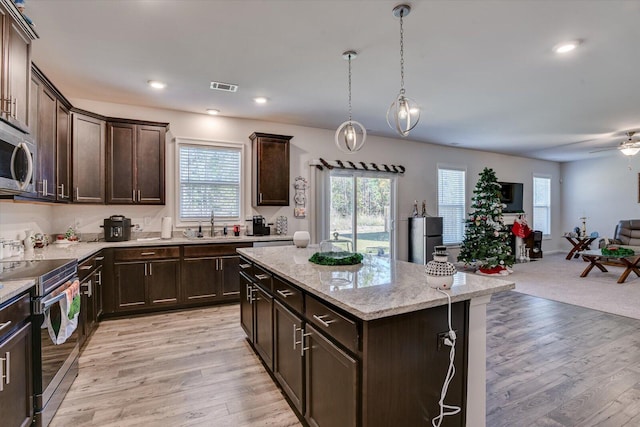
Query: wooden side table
point(579, 244)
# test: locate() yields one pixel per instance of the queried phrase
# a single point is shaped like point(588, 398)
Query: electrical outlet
point(147, 220)
point(441, 338)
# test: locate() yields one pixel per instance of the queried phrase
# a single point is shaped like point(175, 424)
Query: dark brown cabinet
point(16, 371)
point(210, 273)
point(15, 62)
point(332, 382)
point(256, 312)
point(88, 145)
point(136, 163)
point(146, 278)
point(63, 153)
point(270, 161)
point(90, 275)
point(288, 354)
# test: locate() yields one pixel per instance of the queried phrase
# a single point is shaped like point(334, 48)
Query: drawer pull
point(99, 258)
point(284, 292)
point(4, 325)
point(245, 266)
point(147, 253)
point(323, 322)
point(262, 276)
point(85, 267)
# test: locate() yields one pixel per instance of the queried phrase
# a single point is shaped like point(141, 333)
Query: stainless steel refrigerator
point(424, 234)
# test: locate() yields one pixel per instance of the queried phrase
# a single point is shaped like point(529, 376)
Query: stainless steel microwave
point(17, 162)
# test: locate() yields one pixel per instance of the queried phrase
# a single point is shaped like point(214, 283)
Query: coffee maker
point(260, 226)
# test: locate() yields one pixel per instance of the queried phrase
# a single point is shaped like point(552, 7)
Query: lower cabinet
point(332, 382)
point(319, 376)
point(146, 278)
point(16, 383)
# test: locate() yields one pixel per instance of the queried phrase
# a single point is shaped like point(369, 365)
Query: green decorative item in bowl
point(617, 251)
point(336, 258)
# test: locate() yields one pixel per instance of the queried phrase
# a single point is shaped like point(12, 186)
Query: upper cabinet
point(270, 160)
point(15, 65)
point(136, 162)
point(88, 154)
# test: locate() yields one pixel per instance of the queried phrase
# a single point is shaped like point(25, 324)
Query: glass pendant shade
point(350, 136)
point(403, 115)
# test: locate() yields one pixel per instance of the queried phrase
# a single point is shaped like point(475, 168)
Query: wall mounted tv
point(511, 196)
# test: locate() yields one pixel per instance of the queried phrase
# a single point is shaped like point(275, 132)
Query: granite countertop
point(377, 288)
point(83, 250)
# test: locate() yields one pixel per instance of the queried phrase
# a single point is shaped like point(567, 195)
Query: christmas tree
point(486, 240)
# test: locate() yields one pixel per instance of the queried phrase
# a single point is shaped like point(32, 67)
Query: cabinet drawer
point(262, 277)
point(138, 254)
point(288, 294)
point(246, 267)
point(14, 314)
point(197, 251)
point(86, 267)
point(342, 329)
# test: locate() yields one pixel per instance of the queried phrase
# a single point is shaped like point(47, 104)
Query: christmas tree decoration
point(486, 241)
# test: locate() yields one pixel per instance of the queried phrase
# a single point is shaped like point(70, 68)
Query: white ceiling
point(483, 72)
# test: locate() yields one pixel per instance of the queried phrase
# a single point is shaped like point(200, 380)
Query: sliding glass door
point(361, 209)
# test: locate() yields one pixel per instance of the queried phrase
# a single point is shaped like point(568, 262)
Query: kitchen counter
point(83, 250)
point(377, 288)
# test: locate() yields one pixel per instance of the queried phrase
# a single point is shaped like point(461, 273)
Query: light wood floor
point(548, 364)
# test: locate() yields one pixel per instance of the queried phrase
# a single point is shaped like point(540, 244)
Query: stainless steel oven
point(17, 162)
point(55, 365)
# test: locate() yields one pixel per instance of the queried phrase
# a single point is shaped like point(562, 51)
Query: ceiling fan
point(629, 147)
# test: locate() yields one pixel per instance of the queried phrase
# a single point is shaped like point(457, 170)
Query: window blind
point(451, 204)
point(542, 204)
point(209, 181)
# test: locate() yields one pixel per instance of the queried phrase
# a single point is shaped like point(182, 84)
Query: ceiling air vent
point(225, 87)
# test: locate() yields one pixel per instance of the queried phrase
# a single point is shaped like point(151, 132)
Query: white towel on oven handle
point(67, 325)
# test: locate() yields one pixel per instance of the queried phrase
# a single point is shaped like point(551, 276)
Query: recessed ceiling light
point(260, 100)
point(213, 111)
point(566, 47)
point(157, 84)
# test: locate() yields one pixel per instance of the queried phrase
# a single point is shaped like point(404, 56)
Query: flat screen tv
point(511, 196)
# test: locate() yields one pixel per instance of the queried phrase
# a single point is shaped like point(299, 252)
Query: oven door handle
point(45, 305)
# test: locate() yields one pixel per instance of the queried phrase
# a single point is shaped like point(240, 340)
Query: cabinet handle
point(295, 331)
point(99, 278)
point(99, 258)
point(133, 195)
point(6, 377)
point(147, 253)
point(150, 269)
point(260, 198)
point(89, 289)
point(145, 269)
point(302, 347)
point(323, 322)
point(4, 325)
point(45, 187)
point(85, 267)
point(221, 268)
point(261, 276)
point(15, 108)
point(77, 193)
point(247, 287)
point(139, 198)
point(284, 292)
point(245, 266)
point(62, 196)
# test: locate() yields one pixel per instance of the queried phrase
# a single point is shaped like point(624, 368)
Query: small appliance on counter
point(259, 226)
point(117, 228)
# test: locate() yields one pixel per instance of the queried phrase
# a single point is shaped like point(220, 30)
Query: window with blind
point(451, 203)
point(210, 179)
point(542, 204)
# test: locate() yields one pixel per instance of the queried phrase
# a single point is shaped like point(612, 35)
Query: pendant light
point(350, 135)
point(403, 113)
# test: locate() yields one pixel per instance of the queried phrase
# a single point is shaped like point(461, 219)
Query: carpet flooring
point(555, 278)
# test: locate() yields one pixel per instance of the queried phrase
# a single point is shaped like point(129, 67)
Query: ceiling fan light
point(630, 151)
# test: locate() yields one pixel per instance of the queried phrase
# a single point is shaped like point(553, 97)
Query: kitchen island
point(362, 345)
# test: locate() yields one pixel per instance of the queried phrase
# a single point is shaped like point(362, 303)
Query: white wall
point(418, 183)
point(605, 190)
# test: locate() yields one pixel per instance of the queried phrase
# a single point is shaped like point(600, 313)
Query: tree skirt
point(498, 270)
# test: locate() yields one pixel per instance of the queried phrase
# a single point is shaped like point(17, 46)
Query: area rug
point(555, 278)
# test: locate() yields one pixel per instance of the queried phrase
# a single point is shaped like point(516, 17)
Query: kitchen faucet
point(213, 217)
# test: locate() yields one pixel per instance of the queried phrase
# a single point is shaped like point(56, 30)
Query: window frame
point(533, 203)
point(458, 168)
point(240, 147)
point(323, 190)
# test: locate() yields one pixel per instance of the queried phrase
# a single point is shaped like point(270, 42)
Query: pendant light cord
point(401, 54)
point(349, 87)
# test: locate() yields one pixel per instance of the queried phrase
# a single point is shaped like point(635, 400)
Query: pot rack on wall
point(321, 163)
